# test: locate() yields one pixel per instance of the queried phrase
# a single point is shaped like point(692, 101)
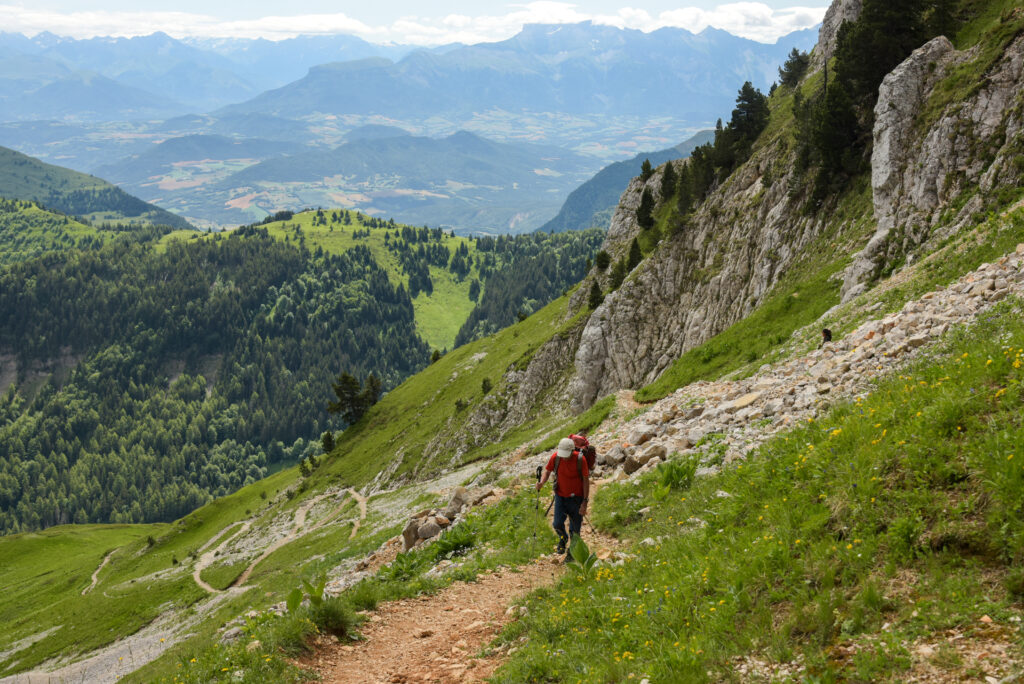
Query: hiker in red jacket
point(572, 490)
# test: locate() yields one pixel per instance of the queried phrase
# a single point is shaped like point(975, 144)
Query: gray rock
point(458, 500)
point(428, 530)
point(641, 435)
point(230, 635)
point(693, 412)
point(410, 534)
point(655, 451)
point(635, 462)
point(614, 456)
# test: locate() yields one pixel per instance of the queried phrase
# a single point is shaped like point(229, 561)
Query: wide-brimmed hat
point(565, 447)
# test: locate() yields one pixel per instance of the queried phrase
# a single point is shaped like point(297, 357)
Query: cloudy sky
point(393, 21)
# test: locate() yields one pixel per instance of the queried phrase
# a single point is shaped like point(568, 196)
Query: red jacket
point(569, 481)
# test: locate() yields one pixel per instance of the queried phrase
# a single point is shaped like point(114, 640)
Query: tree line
point(201, 367)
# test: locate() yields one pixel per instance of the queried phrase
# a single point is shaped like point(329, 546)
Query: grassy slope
point(438, 316)
point(55, 565)
point(29, 230)
point(24, 177)
point(901, 508)
point(424, 406)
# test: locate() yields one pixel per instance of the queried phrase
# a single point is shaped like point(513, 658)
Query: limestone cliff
point(931, 149)
point(947, 142)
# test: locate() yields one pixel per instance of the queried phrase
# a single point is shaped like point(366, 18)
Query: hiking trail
point(436, 638)
point(299, 521)
point(208, 557)
point(361, 500)
point(96, 573)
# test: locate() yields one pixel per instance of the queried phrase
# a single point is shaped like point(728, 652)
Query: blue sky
point(396, 21)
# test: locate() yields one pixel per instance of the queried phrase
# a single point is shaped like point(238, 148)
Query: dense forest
point(143, 377)
point(523, 273)
point(201, 367)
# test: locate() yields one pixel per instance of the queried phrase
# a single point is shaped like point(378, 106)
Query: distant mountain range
point(178, 76)
point(579, 68)
point(576, 69)
point(76, 194)
point(473, 137)
point(591, 204)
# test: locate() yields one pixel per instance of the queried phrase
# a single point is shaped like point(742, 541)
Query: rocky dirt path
point(433, 638)
point(96, 573)
point(361, 500)
point(208, 557)
point(299, 521)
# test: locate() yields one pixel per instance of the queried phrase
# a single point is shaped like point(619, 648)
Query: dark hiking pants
point(567, 507)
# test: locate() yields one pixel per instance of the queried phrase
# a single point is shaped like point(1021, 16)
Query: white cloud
point(753, 20)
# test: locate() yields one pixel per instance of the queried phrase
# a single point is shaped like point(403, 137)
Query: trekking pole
point(536, 504)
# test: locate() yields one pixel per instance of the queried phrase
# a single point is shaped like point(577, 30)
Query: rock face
point(917, 173)
point(838, 12)
point(701, 280)
point(739, 415)
point(754, 226)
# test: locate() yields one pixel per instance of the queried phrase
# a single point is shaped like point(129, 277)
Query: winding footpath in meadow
point(96, 573)
point(208, 557)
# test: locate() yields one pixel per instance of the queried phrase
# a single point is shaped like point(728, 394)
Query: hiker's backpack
point(590, 453)
point(584, 446)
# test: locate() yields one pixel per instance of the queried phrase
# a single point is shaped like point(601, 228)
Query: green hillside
point(76, 194)
point(27, 230)
point(458, 269)
point(439, 313)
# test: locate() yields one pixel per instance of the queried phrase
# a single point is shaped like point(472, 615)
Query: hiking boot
point(561, 548)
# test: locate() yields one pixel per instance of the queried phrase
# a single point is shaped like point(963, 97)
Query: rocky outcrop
point(716, 423)
point(838, 12)
point(900, 97)
point(708, 275)
point(919, 168)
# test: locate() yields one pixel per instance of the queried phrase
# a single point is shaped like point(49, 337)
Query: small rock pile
point(429, 523)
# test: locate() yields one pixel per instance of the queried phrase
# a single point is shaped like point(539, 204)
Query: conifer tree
point(668, 182)
point(646, 170)
point(596, 296)
point(645, 212)
point(794, 68)
point(618, 274)
point(635, 255)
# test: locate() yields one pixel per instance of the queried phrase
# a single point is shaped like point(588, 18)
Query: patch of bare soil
point(985, 652)
point(432, 639)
